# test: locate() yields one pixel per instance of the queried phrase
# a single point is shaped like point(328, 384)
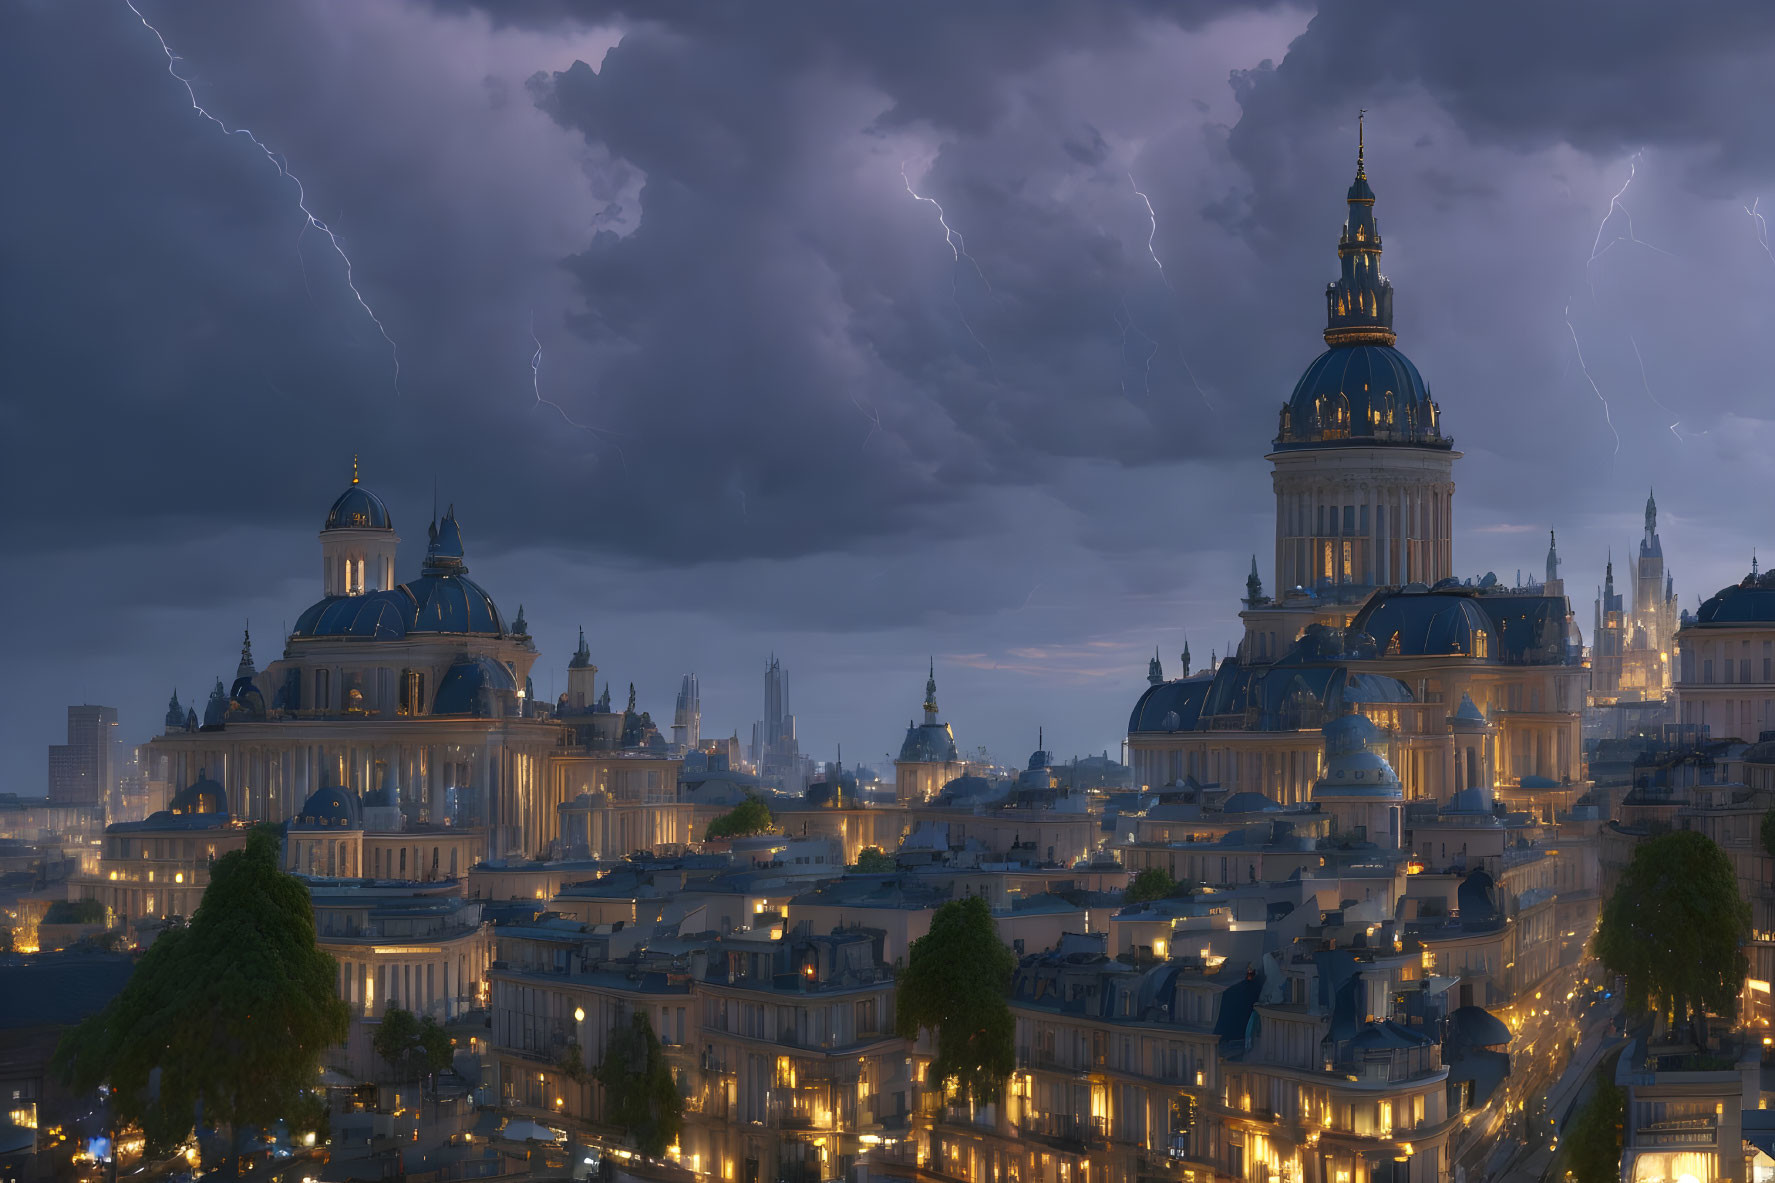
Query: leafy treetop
point(751, 816)
point(1674, 926)
point(956, 983)
point(872, 860)
point(640, 1096)
point(234, 1009)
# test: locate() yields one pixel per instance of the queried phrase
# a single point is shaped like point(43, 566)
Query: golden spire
point(1361, 113)
point(354, 468)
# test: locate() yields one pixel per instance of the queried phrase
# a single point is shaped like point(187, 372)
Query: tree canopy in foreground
point(957, 983)
point(751, 816)
point(1673, 929)
point(640, 1096)
point(234, 1011)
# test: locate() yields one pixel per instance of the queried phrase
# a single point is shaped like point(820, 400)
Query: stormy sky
point(839, 331)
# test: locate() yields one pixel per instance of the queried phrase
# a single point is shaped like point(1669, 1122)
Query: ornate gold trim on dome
point(1360, 335)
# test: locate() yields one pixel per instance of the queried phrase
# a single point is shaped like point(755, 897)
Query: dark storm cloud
point(811, 425)
point(1604, 78)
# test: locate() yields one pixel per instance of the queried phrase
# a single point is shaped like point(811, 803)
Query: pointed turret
point(1359, 304)
point(520, 627)
point(1184, 657)
point(930, 694)
point(245, 668)
point(175, 714)
point(443, 551)
point(1155, 673)
point(582, 678)
point(1254, 587)
point(1552, 556)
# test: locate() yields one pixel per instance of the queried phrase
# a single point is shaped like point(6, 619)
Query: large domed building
point(410, 702)
point(1368, 614)
point(1363, 473)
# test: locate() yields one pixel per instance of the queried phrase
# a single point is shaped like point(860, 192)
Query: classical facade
point(1368, 615)
point(417, 694)
point(1725, 680)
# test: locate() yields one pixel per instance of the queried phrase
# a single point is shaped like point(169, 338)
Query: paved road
point(1599, 1040)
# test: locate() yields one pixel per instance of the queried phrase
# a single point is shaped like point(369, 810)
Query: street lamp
point(579, 1014)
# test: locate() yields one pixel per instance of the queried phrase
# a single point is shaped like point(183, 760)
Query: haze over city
point(814, 428)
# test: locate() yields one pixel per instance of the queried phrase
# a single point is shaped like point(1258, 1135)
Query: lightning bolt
point(1644, 381)
point(1761, 227)
point(1608, 417)
point(1152, 234)
point(1125, 321)
point(1598, 248)
point(873, 414)
point(602, 434)
point(282, 166)
point(958, 246)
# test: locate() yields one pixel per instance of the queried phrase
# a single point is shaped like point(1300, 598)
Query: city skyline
point(998, 486)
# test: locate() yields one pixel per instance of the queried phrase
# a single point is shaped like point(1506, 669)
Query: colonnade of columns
point(441, 981)
point(1362, 532)
point(500, 784)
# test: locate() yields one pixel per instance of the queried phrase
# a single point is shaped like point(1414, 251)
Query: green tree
point(1673, 929)
point(751, 816)
point(227, 1016)
point(1592, 1143)
point(75, 912)
point(1152, 883)
point(412, 1046)
point(956, 983)
point(640, 1096)
point(873, 860)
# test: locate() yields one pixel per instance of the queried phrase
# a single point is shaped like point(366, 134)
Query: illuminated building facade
point(418, 694)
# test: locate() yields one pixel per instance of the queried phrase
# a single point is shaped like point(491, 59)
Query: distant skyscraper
point(83, 771)
point(687, 716)
point(777, 752)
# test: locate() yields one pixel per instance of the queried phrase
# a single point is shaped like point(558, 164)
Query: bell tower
point(357, 542)
point(1362, 470)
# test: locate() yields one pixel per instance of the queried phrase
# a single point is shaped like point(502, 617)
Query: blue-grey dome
point(1171, 706)
point(468, 687)
point(1361, 395)
point(380, 615)
point(930, 743)
point(451, 604)
point(331, 806)
point(1749, 602)
point(1419, 625)
point(201, 796)
point(358, 509)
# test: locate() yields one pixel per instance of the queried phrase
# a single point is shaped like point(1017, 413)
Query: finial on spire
point(930, 694)
point(354, 468)
point(1361, 114)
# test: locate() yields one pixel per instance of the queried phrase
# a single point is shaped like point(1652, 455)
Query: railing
point(1068, 1128)
point(1690, 1131)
